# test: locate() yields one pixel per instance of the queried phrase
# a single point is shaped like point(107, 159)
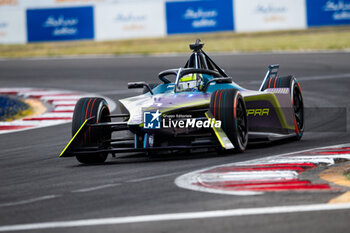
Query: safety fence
point(23, 21)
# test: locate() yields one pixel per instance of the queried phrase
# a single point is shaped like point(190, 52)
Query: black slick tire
point(84, 109)
point(296, 99)
point(228, 106)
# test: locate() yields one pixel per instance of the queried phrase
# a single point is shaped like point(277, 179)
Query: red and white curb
point(60, 106)
point(270, 174)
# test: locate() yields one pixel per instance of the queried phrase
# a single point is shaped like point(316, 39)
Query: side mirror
point(135, 85)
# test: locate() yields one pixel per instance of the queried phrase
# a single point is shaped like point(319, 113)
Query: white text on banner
point(13, 27)
point(266, 15)
point(129, 20)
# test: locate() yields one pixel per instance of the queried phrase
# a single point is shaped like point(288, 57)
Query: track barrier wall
point(23, 21)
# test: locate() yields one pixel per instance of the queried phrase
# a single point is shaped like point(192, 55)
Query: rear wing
point(271, 73)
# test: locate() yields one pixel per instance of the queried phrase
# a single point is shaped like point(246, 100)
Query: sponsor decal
point(260, 15)
point(80, 1)
point(12, 27)
point(3, 25)
point(60, 24)
point(328, 12)
point(3, 30)
point(340, 9)
point(191, 123)
point(271, 13)
point(199, 16)
point(270, 9)
point(130, 17)
point(8, 3)
point(258, 112)
point(35, 4)
point(152, 120)
point(129, 20)
point(279, 90)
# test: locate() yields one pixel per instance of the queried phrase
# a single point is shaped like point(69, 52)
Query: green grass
point(347, 175)
point(332, 38)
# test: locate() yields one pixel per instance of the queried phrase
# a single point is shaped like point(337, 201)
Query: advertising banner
point(8, 4)
point(129, 20)
point(199, 16)
point(82, 2)
point(328, 12)
point(23, 4)
point(36, 4)
point(12, 27)
point(60, 24)
point(263, 15)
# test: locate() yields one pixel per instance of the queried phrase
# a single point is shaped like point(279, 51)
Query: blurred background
point(111, 26)
point(37, 187)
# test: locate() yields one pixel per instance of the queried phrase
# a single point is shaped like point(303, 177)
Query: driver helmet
point(190, 82)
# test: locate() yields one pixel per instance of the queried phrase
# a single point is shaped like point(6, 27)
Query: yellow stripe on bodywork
point(220, 134)
point(273, 100)
point(75, 135)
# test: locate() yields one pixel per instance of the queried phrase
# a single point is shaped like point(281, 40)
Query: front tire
point(86, 108)
point(228, 106)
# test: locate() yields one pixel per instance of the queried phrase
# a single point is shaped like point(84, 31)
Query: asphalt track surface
point(37, 186)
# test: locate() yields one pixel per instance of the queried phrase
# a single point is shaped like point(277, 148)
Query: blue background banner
point(199, 16)
point(328, 12)
point(60, 24)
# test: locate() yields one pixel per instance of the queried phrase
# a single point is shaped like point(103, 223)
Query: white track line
point(28, 201)
point(153, 177)
point(95, 188)
point(177, 216)
point(89, 189)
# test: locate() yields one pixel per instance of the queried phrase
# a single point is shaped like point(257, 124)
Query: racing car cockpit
point(199, 71)
point(201, 61)
point(190, 82)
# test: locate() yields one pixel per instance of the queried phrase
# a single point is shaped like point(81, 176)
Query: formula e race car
point(196, 107)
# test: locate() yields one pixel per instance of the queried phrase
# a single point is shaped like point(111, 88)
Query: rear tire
point(296, 98)
point(298, 105)
point(228, 106)
point(86, 108)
